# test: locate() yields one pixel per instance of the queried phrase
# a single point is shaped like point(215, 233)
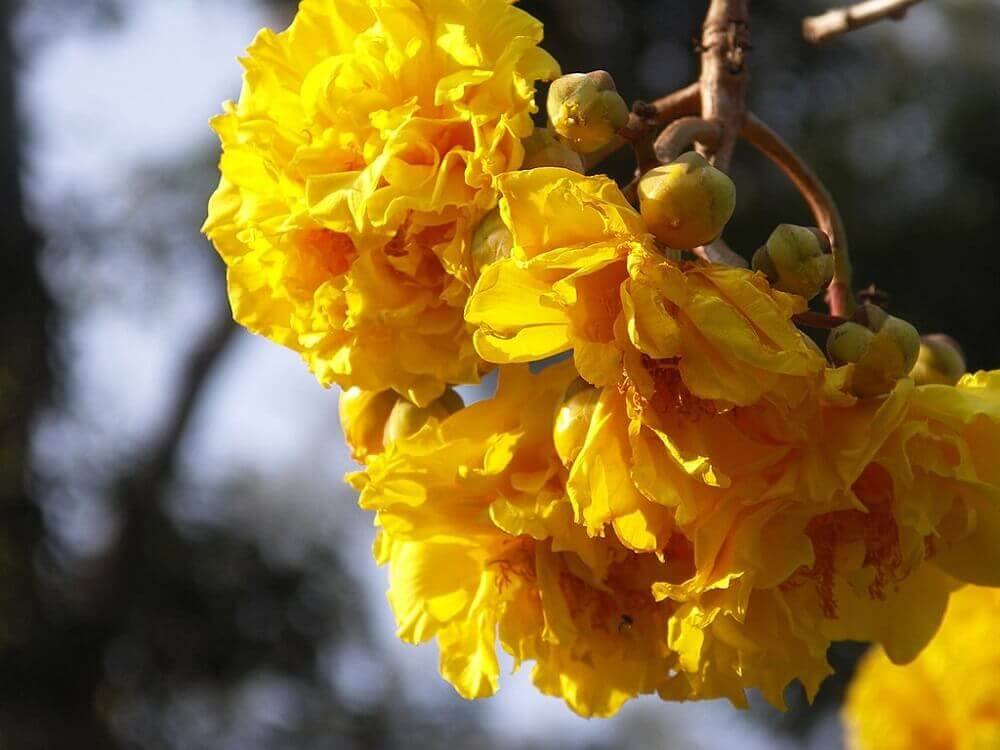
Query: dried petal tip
point(586, 110)
point(796, 260)
point(687, 202)
point(940, 361)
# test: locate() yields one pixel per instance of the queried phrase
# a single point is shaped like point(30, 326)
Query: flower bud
point(543, 149)
point(848, 343)
point(796, 260)
point(940, 361)
point(905, 340)
point(406, 418)
point(870, 316)
point(687, 202)
point(573, 419)
point(363, 416)
point(491, 241)
point(586, 110)
point(883, 349)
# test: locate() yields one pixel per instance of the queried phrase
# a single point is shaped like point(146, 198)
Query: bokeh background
point(180, 563)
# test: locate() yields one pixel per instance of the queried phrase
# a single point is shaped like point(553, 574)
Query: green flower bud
point(905, 340)
point(883, 349)
point(586, 110)
point(848, 343)
point(940, 361)
point(687, 202)
point(870, 316)
point(491, 241)
point(796, 260)
point(543, 149)
point(573, 420)
point(406, 418)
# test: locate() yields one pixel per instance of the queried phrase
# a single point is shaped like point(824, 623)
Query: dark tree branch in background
point(821, 203)
point(159, 464)
point(839, 21)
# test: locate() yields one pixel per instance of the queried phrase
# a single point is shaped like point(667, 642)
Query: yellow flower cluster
point(755, 509)
point(948, 698)
point(693, 505)
point(355, 165)
point(482, 546)
point(810, 513)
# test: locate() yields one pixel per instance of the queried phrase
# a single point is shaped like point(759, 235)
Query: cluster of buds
point(882, 348)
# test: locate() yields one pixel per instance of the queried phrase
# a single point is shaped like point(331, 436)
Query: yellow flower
point(948, 698)
point(482, 547)
point(861, 535)
point(584, 274)
point(355, 165)
point(559, 288)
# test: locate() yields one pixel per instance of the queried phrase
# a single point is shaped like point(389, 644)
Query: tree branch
point(201, 363)
point(685, 101)
point(833, 23)
point(813, 319)
point(724, 43)
point(821, 203)
point(680, 134)
point(646, 119)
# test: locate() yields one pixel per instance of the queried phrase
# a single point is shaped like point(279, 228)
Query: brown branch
point(682, 133)
point(648, 117)
point(685, 101)
point(838, 21)
point(818, 320)
point(724, 43)
point(821, 203)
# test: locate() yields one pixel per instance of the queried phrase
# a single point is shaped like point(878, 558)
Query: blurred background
point(180, 563)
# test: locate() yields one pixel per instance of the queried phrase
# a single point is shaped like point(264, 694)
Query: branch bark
point(680, 134)
point(685, 101)
point(821, 203)
point(647, 118)
point(724, 42)
point(833, 23)
point(814, 319)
